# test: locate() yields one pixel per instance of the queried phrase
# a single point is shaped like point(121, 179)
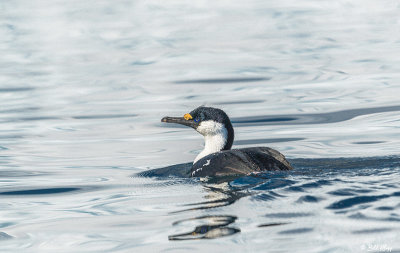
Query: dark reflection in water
point(349, 202)
point(288, 215)
point(240, 102)
point(263, 119)
point(104, 116)
point(372, 231)
point(6, 137)
point(5, 236)
point(367, 142)
point(262, 141)
point(296, 231)
point(348, 192)
point(49, 191)
point(309, 199)
point(337, 164)
point(271, 224)
point(224, 194)
point(218, 195)
point(20, 173)
point(80, 117)
point(213, 226)
point(40, 191)
point(16, 89)
point(35, 118)
point(224, 80)
point(20, 110)
point(311, 118)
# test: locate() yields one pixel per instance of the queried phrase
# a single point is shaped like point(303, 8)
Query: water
point(83, 87)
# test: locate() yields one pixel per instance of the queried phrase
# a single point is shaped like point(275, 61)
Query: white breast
point(215, 137)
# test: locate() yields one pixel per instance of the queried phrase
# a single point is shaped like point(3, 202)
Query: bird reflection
point(213, 226)
point(216, 226)
point(218, 195)
point(220, 192)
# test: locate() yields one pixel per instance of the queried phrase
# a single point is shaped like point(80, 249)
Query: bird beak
point(186, 120)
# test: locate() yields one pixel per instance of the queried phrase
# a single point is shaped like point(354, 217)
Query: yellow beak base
point(187, 116)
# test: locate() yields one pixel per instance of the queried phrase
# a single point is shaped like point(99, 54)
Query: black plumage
point(240, 162)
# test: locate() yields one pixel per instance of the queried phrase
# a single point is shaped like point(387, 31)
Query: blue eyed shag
point(217, 158)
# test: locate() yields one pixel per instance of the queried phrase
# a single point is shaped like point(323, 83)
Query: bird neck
point(221, 140)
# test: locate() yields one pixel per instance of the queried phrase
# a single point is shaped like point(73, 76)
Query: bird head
point(209, 122)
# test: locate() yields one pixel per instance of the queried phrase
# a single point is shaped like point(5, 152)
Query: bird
point(217, 158)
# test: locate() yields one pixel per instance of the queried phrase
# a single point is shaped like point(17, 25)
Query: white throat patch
point(215, 137)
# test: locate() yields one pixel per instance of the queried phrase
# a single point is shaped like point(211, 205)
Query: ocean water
point(83, 86)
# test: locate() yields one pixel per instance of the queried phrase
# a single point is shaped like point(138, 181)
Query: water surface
point(83, 88)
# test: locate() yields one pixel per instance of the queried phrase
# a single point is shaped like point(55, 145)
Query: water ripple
point(346, 203)
point(105, 116)
point(311, 118)
point(16, 89)
point(5, 236)
point(297, 231)
point(223, 80)
point(42, 191)
point(264, 141)
point(309, 199)
point(288, 215)
point(48, 191)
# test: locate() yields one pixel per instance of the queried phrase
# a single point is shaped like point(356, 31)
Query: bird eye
point(196, 120)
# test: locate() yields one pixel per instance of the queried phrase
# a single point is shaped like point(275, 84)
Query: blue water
point(83, 87)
